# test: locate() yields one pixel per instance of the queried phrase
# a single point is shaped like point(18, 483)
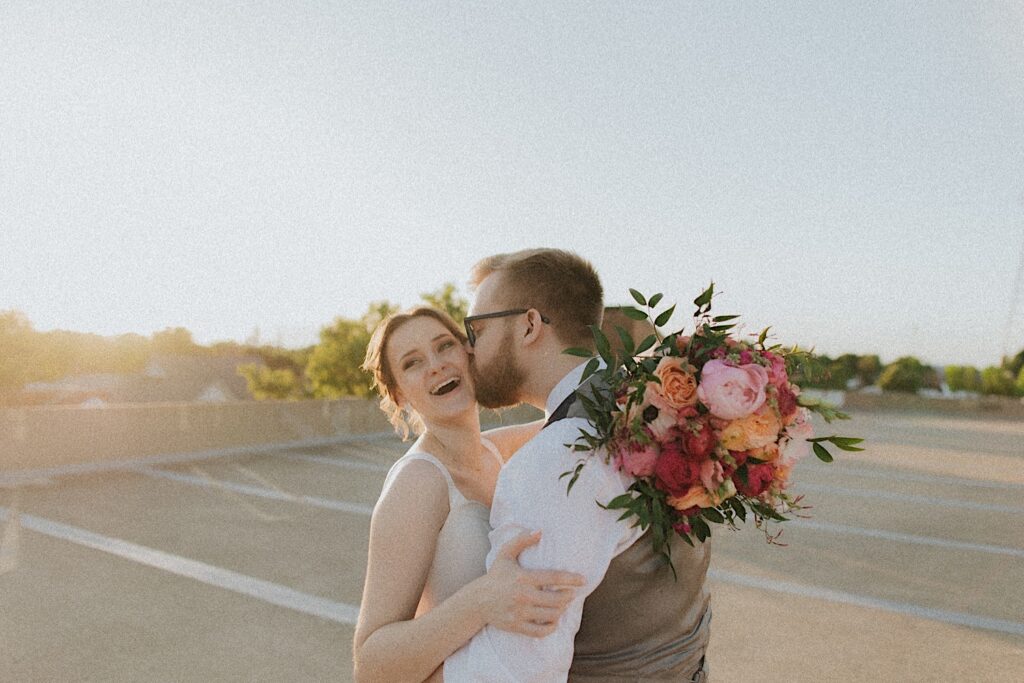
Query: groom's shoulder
point(552, 447)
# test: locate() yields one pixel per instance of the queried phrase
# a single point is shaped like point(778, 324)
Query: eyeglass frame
point(469, 320)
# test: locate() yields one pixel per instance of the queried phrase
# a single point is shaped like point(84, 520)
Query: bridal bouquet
point(708, 425)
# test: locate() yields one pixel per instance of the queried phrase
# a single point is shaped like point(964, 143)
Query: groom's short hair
point(561, 285)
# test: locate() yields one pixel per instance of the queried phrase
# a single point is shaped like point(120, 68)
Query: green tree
point(173, 341)
point(269, 383)
point(868, 369)
point(448, 299)
point(963, 378)
point(17, 350)
point(997, 381)
point(906, 374)
point(333, 369)
point(1014, 363)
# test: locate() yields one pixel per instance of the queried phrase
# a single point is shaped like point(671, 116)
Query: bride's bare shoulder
point(415, 490)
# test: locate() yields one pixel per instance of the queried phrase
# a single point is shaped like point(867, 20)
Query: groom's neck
point(542, 377)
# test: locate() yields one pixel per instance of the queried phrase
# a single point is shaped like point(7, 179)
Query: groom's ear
point(534, 328)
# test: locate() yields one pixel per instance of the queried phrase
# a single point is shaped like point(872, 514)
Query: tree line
point(331, 368)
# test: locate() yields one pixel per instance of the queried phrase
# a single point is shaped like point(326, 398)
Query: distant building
point(166, 379)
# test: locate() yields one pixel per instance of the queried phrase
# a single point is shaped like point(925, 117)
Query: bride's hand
point(526, 601)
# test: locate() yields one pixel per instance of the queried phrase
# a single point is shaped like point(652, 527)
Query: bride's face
point(431, 369)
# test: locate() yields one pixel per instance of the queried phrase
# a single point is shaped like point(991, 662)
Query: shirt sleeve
point(577, 535)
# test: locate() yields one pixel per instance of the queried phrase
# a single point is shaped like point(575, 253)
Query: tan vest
point(641, 623)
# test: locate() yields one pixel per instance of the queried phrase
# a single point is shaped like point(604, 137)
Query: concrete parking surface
point(250, 566)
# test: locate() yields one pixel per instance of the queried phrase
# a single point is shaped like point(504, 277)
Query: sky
point(850, 173)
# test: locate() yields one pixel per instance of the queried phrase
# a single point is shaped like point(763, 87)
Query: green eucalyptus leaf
point(664, 317)
point(704, 299)
point(603, 346)
point(647, 343)
point(578, 351)
point(822, 454)
point(655, 300)
point(626, 339)
point(633, 313)
point(713, 514)
point(638, 297)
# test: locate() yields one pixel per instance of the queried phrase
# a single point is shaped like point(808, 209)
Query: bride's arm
point(510, 439)
point(390, 644)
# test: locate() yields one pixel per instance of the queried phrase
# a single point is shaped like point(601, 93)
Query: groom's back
point(641, 623)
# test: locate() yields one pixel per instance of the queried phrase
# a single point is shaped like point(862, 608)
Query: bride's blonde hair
point(376, 363)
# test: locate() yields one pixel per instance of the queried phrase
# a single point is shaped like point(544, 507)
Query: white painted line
point(908, 498)
point(927, 478)
point(172, 458)
point(945, 616)
point(347, 463)
point(906, 538)
point(339, 505)
point(269, 592)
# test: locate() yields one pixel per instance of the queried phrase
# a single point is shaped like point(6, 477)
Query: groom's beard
point(498, 384)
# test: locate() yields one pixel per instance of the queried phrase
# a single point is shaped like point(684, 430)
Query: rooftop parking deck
point(247, 563)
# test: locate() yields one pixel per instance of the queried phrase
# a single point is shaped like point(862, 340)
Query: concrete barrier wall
point(982, 406)
point(41, 437)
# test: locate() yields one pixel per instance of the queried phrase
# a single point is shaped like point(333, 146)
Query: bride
point(427, 590)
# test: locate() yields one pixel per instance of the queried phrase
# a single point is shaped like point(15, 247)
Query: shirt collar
point(565, 386)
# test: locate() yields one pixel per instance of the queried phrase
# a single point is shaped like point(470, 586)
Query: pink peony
point(732, 392)
point(638, 459)
point(797, 446)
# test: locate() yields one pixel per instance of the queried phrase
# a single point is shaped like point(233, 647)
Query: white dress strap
point(455, 496)
point(489, 445)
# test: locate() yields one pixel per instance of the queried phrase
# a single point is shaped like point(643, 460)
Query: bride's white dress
point(462, 543)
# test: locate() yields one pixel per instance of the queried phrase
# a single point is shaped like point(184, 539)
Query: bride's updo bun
point(376, 363)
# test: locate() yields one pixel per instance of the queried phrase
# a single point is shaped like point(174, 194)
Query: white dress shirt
point(577, 536)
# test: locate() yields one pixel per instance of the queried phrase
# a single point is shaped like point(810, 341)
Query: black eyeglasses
point(468, 322)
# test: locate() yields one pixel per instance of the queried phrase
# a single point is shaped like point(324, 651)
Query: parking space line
point(909, 498)
point(269, 592)
point(927, 478)
point(906, 538)
point(315, 501)
point(22, 476)
point(907, 609)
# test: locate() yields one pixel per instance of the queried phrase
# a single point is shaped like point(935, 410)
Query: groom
point(632, 621)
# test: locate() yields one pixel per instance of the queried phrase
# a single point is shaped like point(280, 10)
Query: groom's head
point(528, 307)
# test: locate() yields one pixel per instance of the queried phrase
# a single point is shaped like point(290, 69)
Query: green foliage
point(906, 374)
point(1020, 382)
point(333, 368)
point(1015, 364)
point(448, 300)
point(173, 341)
point(868, 369)
point(997, 382)
point(269, 383)
point(963, 378)
point(16, 346)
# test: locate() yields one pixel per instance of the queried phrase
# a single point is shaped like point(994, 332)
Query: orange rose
point(769, 453)
point(756, 430)
point(700, 497)
point(678, 385)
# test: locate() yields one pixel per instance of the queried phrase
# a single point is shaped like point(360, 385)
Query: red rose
point(674, 472)
point(699, 439)
point(758, 479)
point(787, 403)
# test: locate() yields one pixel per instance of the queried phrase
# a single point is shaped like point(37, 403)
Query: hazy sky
point(851, 173)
